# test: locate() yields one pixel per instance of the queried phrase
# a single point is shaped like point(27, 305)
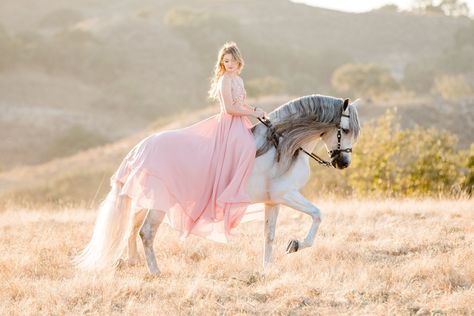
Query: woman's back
point(237, 90)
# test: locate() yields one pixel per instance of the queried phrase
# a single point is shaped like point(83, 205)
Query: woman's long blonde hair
point(219, 68)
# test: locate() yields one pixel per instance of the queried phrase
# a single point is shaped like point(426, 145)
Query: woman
point(198, 174)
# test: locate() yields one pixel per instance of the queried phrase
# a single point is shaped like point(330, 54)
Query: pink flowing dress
point(197, 174)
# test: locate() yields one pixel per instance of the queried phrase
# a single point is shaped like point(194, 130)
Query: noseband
point(333, 153)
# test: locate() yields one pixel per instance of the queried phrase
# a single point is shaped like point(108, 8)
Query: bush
point(388, 8)
point(412, 162)
point(452, 87)
point(264, 86)
point(468, 183)
point(369, 80)
point(456, 60)
point(418, 76)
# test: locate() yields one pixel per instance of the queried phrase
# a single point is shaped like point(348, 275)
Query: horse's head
point(339, 139)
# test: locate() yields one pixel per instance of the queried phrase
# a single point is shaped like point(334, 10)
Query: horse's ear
point(346, 104)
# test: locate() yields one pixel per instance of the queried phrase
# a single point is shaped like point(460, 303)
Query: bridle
point(338, 150)
point(321, 161)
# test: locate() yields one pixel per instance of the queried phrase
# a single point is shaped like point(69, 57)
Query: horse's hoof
point(152, 275)
point(293, 246)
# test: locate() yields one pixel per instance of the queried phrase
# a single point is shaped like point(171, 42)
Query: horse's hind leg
point(147, 233)
point(137, 222)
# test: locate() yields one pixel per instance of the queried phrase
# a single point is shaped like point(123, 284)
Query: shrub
point(418, 75)
point(369, 80)
point(391, 161)
point(264, 86)
point(452, 87)
point(388, 8)
point(468, 183)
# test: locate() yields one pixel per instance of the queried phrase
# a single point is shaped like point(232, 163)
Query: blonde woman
point(197, 175)
point(228, 87)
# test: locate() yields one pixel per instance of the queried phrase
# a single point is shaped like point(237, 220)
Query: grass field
point(396, 257)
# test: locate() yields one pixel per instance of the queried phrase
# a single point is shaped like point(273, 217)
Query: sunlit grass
point(370, 257)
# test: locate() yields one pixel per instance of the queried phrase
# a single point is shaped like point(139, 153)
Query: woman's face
point(230, 64)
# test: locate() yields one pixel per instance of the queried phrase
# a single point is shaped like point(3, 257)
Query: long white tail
point(110, 233)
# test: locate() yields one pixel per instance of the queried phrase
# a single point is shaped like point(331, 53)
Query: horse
point(279, 172)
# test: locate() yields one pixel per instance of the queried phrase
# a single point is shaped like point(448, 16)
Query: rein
point(321, 161)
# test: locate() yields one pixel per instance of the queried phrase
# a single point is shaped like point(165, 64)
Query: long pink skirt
point(196, 174)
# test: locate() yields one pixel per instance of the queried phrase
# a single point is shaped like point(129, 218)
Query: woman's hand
point(260, 113)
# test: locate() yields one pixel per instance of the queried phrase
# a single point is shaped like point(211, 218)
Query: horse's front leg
point(297, 201)
point(271, 214)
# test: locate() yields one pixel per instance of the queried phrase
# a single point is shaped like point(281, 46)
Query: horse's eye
point(322, 134)
point(345, 130)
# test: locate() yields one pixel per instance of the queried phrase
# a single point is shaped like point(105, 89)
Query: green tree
point(264, 86)
point(447, 7)
point(369, 80)
point(454, 7)
point(389, 8)
point(452, 87)
point(418, 76)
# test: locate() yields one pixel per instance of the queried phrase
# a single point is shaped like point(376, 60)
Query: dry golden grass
point(370, 258)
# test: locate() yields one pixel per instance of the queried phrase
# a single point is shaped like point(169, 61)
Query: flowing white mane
point(302, 120)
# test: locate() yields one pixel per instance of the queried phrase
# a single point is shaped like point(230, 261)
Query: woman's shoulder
point(224, 80)
point(226, 77)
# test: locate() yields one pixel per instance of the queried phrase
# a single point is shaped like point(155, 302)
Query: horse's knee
point(316, 216)
point(147, 236)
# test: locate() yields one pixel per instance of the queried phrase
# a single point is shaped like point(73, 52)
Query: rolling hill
point(79, 75)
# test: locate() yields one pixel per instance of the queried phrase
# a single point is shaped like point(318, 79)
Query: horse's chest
point(300, 172)
point(296, 177)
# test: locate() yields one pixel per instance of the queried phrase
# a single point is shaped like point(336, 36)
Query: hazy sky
point(366, 5)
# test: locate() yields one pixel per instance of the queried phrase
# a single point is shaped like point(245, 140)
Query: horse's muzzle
point(340, 162)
